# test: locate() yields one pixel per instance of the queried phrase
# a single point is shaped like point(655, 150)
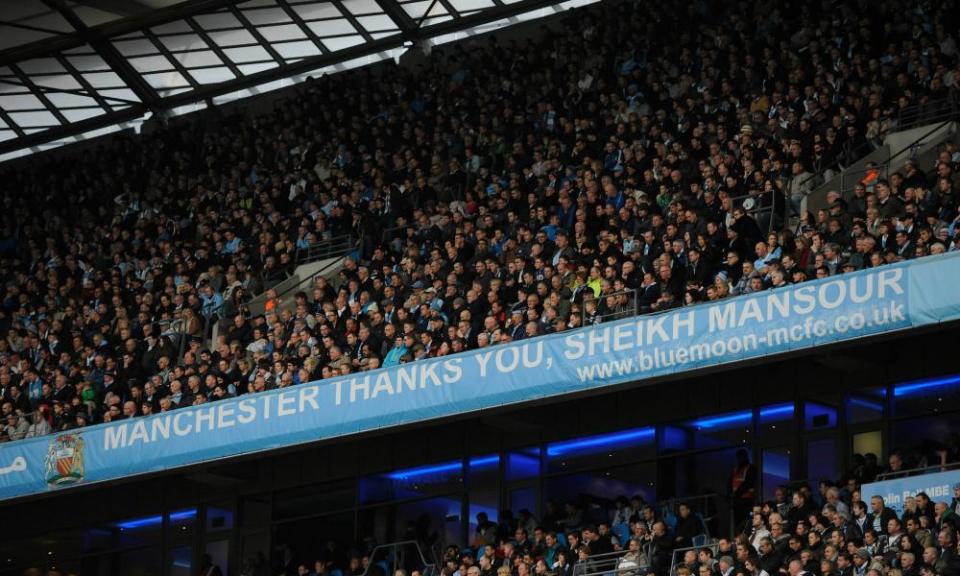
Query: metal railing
point(329, 248)
point(625, 304)
point(677, 556)
point(918, 471)
point(610, 564)
point(941, 111)
point(406, 555)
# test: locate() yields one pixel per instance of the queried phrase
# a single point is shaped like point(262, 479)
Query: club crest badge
point(64, 463)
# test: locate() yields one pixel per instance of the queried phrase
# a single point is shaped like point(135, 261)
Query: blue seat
point(337, 572)
point(384, 567)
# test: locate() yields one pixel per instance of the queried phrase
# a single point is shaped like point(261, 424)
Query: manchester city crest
point(64, 463)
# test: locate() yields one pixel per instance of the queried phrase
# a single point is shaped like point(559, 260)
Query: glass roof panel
point(83, 114)
point(263, 16)
point(201, 58)
point(166, 80)
point(20, 102)
point(324, 28)
point(137, 47)
point(232, 38)
point(66, 100)
point(104, 80)
point(297, 49)
point(217, 21)
point(181, 42)
point(34, 119)
point(151, 63)
point(378, 23)
point(212, 75)
point(317, 10)
point(281, 33)
point(339, 43)
point(247, 54)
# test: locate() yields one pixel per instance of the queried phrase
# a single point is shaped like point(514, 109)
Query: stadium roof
point(71, 69)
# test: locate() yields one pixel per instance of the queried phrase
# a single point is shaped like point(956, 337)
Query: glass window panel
point(822, 460)
point(376, 23)
point(523, 464)
point(334, 44)
point(918, 440)
point(219, 553)
point(82, 114)
point(868, 443)
point(331, 27)
point(776, 470)
point(314, 500)
point(104, 80)
point(282, 32)
point(379, 35)
point(181, 561)
point(137, 47)
point(21, 102)
point(181, 524)
point(255, 551)
point(721, 430)
point(177, 27)
point(317, 10)
point(297, 49)
point(7, 135)
point(484, 472)
point(166, 80)
point(219, 519)
point(217, 21)
point(262, 16)
point(417, 9)
point(777, 424)
point(926, 396)
point(818, 416)
point(594, 492)
point(601, 450)
point(90, 63)
point(196, 59)
point(864, 408)
point(140, 562)
point(232, 38)
point(156, 63)
point(412, 482)
point(40, 66)
point(441, 515)
point(34, 119)
point(247, 54)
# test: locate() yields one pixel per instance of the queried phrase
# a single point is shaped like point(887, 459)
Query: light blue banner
point(841, 308)
point(938, 486)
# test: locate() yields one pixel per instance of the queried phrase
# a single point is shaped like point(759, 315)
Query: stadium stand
point(497, 193)
point(654, 155)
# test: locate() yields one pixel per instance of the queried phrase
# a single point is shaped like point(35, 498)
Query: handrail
point(392, 549)
point(917, 471)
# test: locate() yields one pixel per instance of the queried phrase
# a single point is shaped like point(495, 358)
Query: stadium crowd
point(829, 530)
point(498, 191)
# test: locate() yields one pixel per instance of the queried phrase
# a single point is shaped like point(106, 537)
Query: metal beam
point(352, 20)
point(111, 29)
point(245, 22)
point(39, 94)
point(213, 46)
point(399, 16)
point(109, 53)
point(162, 49)
point(301, 23)
point(121, 7)
point(282, 71)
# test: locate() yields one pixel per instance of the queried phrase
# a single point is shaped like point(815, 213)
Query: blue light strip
point(744, 416)
point(866, 404)
point(921, 385)
point(594, 443)
point(156, 520)
point(728, 419)
point(444, 467)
